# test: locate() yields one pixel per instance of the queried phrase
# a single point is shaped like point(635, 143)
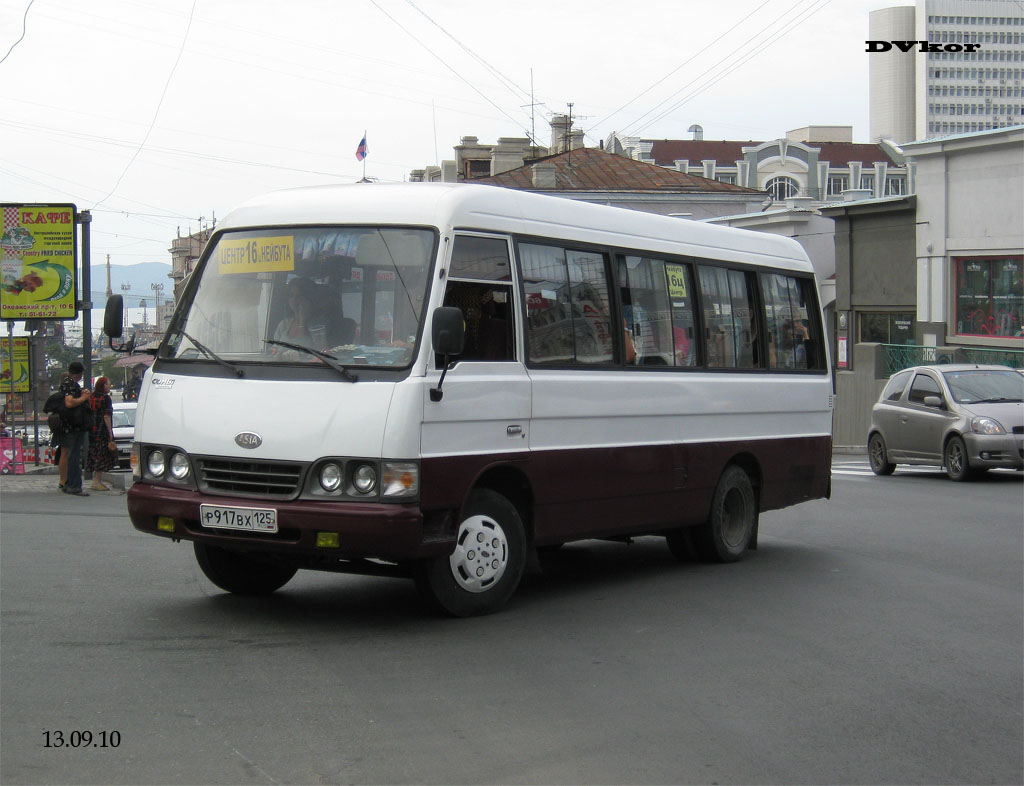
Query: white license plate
point(251, 519)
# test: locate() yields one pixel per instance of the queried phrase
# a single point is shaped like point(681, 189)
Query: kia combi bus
point(438, 380)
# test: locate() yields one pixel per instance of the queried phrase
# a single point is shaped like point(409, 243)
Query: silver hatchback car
point(965, 418)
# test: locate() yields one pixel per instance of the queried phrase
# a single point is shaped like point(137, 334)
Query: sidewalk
point(45, 477)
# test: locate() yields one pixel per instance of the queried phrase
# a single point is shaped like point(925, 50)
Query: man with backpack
point(73, 431)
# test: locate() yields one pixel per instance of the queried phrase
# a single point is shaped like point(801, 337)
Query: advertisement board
point(14, 373)
point(38, 262)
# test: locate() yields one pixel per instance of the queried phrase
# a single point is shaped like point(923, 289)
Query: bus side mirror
point(448, 332)
point(113, 317)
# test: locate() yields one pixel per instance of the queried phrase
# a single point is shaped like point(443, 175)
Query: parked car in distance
point(965, 418)
point(124, 432)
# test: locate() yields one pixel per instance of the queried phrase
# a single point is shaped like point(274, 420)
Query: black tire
point(877, 456)
point(954, 459)
point(488, 561)
point(239, 573)
point(732, 522)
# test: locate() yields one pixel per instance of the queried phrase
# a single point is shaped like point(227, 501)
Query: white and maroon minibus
point(438, 380)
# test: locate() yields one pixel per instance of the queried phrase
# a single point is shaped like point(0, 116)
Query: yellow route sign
point(256, 254)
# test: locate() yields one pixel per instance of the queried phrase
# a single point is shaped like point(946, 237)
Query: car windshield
point(353, 293)
point(123, 417)
point(978, 386)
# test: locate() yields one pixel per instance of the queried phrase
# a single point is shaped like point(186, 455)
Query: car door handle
point(903, 419)
point(514, 431)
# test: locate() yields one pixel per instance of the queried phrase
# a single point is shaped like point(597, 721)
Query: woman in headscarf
point(102, 455)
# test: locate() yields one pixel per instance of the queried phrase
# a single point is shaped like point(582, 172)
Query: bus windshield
point(355, 294)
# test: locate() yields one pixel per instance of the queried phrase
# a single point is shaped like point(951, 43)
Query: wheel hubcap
point(734, 518)
point(481, 554)
point(956, 459)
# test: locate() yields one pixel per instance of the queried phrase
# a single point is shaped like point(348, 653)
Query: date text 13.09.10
point(57, 738)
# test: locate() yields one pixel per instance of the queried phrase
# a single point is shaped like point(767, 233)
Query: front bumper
point(391, 532)
point(986, 451)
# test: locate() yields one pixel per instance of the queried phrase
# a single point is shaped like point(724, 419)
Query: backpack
point(64, 419)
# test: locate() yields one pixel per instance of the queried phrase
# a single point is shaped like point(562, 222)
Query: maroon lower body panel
point(577, 494)
point(564, 495)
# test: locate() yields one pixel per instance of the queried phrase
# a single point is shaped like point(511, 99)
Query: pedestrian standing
point(102, 448)
point(73, 431)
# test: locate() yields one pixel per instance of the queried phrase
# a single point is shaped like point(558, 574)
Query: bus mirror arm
point(436, 394)
point(448, 331)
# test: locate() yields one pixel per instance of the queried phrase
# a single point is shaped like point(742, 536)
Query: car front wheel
point(955, 460)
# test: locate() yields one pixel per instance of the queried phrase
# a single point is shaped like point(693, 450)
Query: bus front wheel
point(732, 522)
point(241, 574)
point(484, 570)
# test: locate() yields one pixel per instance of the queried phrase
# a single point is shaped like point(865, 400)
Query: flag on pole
point(362, 151)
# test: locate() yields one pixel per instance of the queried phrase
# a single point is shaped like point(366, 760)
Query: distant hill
point(140, 277)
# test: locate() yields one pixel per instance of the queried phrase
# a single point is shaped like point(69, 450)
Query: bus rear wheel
point(732, 522)
point(487, 563)
point(239, 573)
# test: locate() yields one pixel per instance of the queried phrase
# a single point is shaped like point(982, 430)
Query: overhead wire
point(742, 47)
point(156, 112)
point(796, 22)
point(24, 29)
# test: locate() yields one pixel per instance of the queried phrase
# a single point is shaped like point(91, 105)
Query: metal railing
point(901, 356)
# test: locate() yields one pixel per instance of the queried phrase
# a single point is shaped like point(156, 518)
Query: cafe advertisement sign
point(38, 262)
point(14, 375)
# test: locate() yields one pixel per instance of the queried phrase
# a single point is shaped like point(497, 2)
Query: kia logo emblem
point(248, 440)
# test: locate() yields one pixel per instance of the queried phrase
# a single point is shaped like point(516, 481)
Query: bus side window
point(729, 318)
point(487, 311)
point(793, 336)
point(646, 310)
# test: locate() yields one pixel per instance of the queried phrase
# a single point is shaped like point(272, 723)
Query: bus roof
point(469, 206)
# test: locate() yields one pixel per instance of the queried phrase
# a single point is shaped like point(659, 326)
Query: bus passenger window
point(567, 305)
point(729, 318)
point(789, 323)
point(647, 312)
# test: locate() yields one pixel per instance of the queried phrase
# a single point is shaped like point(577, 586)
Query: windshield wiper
point(213, 356)
point(330, 360)
point(999, 400)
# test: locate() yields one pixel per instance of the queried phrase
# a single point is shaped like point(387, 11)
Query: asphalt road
point(876, 638)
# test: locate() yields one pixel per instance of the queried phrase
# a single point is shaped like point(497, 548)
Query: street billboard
point(14, 376)
point(39, 262)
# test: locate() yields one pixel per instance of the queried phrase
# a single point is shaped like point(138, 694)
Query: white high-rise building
point(920, 95)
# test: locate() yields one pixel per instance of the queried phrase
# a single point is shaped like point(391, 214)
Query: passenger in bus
point(306, 323)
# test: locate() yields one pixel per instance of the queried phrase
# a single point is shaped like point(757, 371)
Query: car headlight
point(179, 466)
point(330, 477)
point(156, 463)
point(987, 426)
point(400, 479)
point(364, 479)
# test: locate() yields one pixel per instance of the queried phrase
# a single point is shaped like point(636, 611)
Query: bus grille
point(253, 478)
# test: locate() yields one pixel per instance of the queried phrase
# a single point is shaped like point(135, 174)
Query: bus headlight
point(156, 464)
point(179, 466)
point(364, 479)
point(400, 479)
point(330, 477)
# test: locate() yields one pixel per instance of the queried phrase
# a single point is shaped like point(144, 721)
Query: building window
point(868, 182)
point(730, 179)
point(989, 296)
point(782, 187)
point(837, 184)
point(887, 327)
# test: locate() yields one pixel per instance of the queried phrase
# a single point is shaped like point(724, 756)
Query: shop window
point(887, 327)
point(989, 296)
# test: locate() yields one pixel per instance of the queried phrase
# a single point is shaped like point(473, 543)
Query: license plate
point(251, 519)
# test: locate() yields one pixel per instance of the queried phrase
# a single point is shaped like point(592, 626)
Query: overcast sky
point(154, 113)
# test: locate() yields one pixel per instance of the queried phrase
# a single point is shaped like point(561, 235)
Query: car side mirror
point(933, 401)
point(448, 332)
